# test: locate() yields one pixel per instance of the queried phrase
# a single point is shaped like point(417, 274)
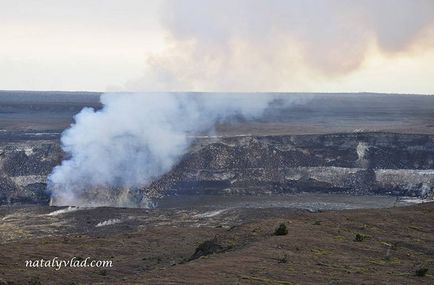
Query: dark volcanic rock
point(24, 167)
point(206, 248)
point(356, 163)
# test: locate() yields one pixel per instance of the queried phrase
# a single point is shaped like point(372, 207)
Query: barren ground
point(155, 246)
point(29, 112)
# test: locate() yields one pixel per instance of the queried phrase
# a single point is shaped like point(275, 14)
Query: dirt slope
point(167, 246)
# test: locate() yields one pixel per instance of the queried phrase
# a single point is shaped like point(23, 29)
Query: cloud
point(258, 45)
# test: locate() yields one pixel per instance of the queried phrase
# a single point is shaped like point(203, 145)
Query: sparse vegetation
point(283, 259)
point(250, 253)
point(320, 251)
point(421, 272)
point(339, 238)
point(385, 261)
point(282, 230)
point(360, 237)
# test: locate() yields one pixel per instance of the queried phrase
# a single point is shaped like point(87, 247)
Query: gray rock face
point(24, 167)
point(356, 163)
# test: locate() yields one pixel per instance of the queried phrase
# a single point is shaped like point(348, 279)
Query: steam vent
point(329, 143)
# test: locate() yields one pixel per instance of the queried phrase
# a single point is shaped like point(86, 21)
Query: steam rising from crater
point(135, 138)
point(263, 45)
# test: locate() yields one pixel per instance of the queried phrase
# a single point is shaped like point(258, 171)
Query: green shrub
point(359, 237)
point(284, 259)
point(421, 272)
point(281, 230)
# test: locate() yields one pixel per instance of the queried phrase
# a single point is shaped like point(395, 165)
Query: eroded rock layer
point(356, 163)
point(24, 167)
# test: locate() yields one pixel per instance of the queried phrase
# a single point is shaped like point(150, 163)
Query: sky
point(218, 45)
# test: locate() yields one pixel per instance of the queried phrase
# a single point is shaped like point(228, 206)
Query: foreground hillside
point(234, 246)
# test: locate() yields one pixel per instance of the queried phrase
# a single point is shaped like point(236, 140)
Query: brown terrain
point(234, 246)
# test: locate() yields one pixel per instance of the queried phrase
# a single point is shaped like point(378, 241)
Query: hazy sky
point(218, 45)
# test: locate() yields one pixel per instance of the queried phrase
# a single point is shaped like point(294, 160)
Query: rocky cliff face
point(24, 167)
point(356, 163)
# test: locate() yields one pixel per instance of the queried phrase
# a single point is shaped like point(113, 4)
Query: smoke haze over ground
point(137, 137)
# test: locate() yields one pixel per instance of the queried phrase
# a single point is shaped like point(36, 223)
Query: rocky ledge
point(355, 163)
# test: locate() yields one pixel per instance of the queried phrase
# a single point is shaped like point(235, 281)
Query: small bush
point(421, 272)
point(281, 230)
point(359, 237)
point(284, 259)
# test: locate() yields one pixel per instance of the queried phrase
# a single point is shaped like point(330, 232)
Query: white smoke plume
point(135, 138)
point(280, 45)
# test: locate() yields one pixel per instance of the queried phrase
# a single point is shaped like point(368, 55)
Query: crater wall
point(354, 163)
